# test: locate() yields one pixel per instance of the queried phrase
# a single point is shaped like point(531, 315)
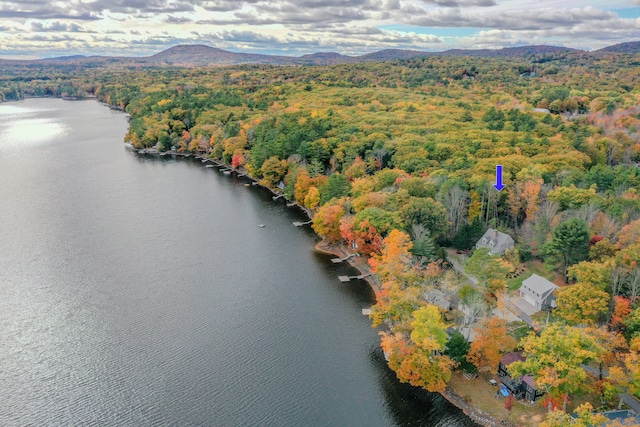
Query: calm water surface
point(140, 291)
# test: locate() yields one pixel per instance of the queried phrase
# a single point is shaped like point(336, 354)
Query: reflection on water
point(22, 126)
point(32, 131)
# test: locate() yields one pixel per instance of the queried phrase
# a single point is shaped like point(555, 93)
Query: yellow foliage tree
point(419, 361)
point(312, 198)
point(584, 417)
point(582, 303)
point(555, 359)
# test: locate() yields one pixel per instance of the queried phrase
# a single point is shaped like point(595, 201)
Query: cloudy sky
point(45, 28)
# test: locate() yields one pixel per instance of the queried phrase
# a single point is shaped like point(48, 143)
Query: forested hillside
point(398, 159)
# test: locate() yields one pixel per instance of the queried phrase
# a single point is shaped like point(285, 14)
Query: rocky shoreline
point(360, 263)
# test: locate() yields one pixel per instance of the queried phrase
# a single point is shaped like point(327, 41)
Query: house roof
point(539, 284)
point(496, 240)
point(509, 358)
point(622, 416)
point(437, 297)
point(528, 379)
point(469, 333)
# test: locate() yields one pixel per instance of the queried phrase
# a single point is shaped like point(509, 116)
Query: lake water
point(139, 291)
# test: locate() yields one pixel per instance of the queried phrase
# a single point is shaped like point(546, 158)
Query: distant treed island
point(394, 155)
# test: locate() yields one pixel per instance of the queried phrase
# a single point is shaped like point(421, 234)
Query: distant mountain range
point(629, 47)
point(201, 55)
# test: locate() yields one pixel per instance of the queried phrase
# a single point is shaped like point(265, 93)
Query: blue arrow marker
point(499, 185)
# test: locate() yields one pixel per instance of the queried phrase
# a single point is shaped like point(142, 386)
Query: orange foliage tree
point(326, 222)
point(621, 309)
point(237, 160)
point(394, 258)
point(491, 343)
point(362, 235)
point(629, 234)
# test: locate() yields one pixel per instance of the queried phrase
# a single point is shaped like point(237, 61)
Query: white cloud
point(125, 27)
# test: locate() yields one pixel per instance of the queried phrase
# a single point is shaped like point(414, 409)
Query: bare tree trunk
point(634, 285)
point(456, 202)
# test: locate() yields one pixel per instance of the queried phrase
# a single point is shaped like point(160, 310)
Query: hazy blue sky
point(41, 28)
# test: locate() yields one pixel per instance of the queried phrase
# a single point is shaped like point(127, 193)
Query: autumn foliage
point(326, 222)
point(492, 342)
point(418, 360)
point(397, 158)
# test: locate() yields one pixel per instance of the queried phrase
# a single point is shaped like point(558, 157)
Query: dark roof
point(622, 416)
point(619, 415)
point(509, 358)
point(528, 379)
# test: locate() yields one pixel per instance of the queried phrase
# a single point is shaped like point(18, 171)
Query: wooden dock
point(366, 311)
point(345, 279)
point(278, 196)
point(339, 260)
point(300, 224)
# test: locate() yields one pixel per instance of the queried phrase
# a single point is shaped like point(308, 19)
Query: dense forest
point(397, 160)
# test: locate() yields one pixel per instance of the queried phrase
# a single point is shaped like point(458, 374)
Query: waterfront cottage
point(523, 387)
point(538, 291)
point(497, 242)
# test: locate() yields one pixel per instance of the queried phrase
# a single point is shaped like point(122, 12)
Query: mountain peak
point(628, 47)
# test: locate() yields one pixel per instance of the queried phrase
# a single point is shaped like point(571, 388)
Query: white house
point(538, 292)
point(496, 241)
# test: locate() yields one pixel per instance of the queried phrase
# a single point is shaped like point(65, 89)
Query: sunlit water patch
point(30, 132)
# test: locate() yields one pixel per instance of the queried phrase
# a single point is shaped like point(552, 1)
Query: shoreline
point(359, 262)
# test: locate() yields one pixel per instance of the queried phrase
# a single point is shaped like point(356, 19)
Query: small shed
point(538, 292)
point(497, 242)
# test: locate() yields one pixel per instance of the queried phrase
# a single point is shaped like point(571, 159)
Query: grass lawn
point(532, 267)
point(482, 395)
